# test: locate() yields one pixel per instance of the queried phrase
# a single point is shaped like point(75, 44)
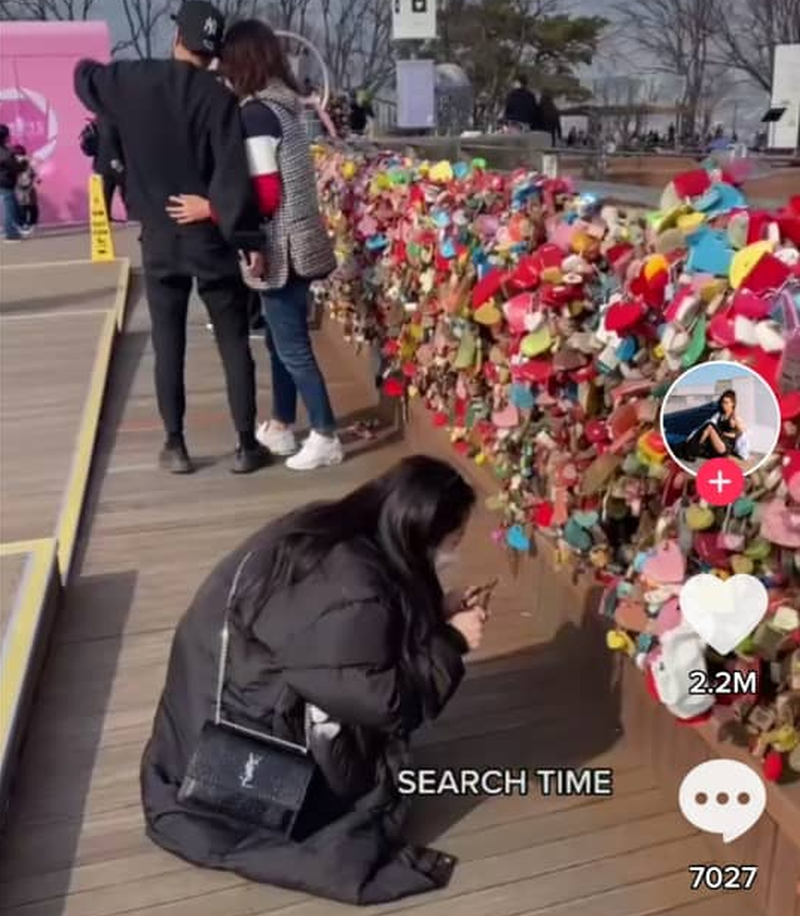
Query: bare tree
point(291, 15)
point(143, 19)
point(234, 10)
point(355, 39)
point(627, 97)
point(679, 36)
point(749, 30)
point(717, 89)
point(62, 10)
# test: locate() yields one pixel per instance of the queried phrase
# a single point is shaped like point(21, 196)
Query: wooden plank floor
point(75, 844)
point(47, 351)
point(11, 570)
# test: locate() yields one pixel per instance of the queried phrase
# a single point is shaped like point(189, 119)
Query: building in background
point(783, 117)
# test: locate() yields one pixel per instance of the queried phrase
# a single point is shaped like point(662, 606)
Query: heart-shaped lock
point(517, 539)
point(665, 565)
point(576, 535)
point(536, 343)
point(506, 418)
point(467, 351)
point(521, 396)
point(699, 517)
point(488, 314)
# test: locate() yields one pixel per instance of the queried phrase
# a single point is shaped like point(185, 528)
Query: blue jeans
point(294, 366)
point(11, 214)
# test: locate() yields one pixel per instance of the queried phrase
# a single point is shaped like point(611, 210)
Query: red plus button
point(720, 481)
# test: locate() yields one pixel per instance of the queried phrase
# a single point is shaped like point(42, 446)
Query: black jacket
point(10, 167)
point(522, 107)
point(181, 134)
point(330, 640)
point(109, 148)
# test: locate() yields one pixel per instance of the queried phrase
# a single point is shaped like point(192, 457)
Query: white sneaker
point(278, 441)
point(317, 452)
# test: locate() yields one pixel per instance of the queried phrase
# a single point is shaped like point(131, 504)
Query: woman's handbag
point(248, 776)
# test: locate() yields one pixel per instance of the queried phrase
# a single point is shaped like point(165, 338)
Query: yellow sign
point(102, 242)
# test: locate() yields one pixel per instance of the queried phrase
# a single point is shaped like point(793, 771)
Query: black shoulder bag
point(248, 776)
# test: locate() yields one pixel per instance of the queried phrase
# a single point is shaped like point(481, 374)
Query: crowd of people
point(338, 639)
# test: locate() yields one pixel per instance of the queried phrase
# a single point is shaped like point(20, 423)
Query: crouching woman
point(340, 640)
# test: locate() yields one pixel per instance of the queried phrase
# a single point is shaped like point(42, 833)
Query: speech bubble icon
point(722, 796)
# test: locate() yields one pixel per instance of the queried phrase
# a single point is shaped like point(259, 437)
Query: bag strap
point(222, 671)
point(225, 637)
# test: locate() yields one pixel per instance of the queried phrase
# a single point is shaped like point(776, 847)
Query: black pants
point(30, 214)
point(112, 181)
point(171, 262)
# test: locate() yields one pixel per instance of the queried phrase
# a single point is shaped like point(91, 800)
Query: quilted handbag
point(246, 775)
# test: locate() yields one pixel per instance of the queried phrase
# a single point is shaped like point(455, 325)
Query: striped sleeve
point(262, 132)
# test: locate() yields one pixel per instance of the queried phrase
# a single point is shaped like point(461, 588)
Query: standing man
point(521, 108)
point(181, 134)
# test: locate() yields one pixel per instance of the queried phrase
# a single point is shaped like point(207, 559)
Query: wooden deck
point(540, 693)
point(11, 569)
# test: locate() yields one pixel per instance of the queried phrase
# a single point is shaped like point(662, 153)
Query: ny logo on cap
point(210, 26)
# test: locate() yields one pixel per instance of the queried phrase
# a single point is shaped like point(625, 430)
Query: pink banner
point(38, 104)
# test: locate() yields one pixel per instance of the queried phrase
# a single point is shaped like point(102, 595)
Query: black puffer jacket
point(331, 640)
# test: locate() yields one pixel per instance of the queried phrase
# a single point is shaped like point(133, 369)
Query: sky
point(745, 106)
point(709, 373)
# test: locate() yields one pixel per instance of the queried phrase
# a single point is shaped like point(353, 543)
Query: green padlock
point(697, 344)
point(537, 342)
point(465, 357)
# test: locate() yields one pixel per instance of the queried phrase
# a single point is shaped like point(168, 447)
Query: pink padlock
point(517, 310)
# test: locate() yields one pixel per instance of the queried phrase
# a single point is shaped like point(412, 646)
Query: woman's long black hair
point(728, 393)
point(403, 516)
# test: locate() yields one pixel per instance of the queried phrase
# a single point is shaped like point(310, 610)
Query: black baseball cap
point(201, 26)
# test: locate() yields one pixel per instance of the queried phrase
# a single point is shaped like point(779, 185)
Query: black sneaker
point(247, 460)
point(175, 459)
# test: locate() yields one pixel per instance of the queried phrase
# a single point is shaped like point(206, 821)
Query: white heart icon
point(721, 612)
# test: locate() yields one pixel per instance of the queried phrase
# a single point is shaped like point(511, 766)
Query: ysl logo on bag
point(250, 766)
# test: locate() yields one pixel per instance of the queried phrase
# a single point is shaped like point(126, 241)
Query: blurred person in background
point(27, 196)
point(522, 109)
point(10, 168)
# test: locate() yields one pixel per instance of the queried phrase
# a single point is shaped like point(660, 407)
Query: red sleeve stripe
point(262, 155)
point(268, 193)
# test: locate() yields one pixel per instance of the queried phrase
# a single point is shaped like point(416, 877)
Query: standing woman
point(298, 249)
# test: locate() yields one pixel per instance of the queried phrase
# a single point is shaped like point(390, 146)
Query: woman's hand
point(189, 208)
point(470, 624)
point(460, 600)
point(253, 264)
